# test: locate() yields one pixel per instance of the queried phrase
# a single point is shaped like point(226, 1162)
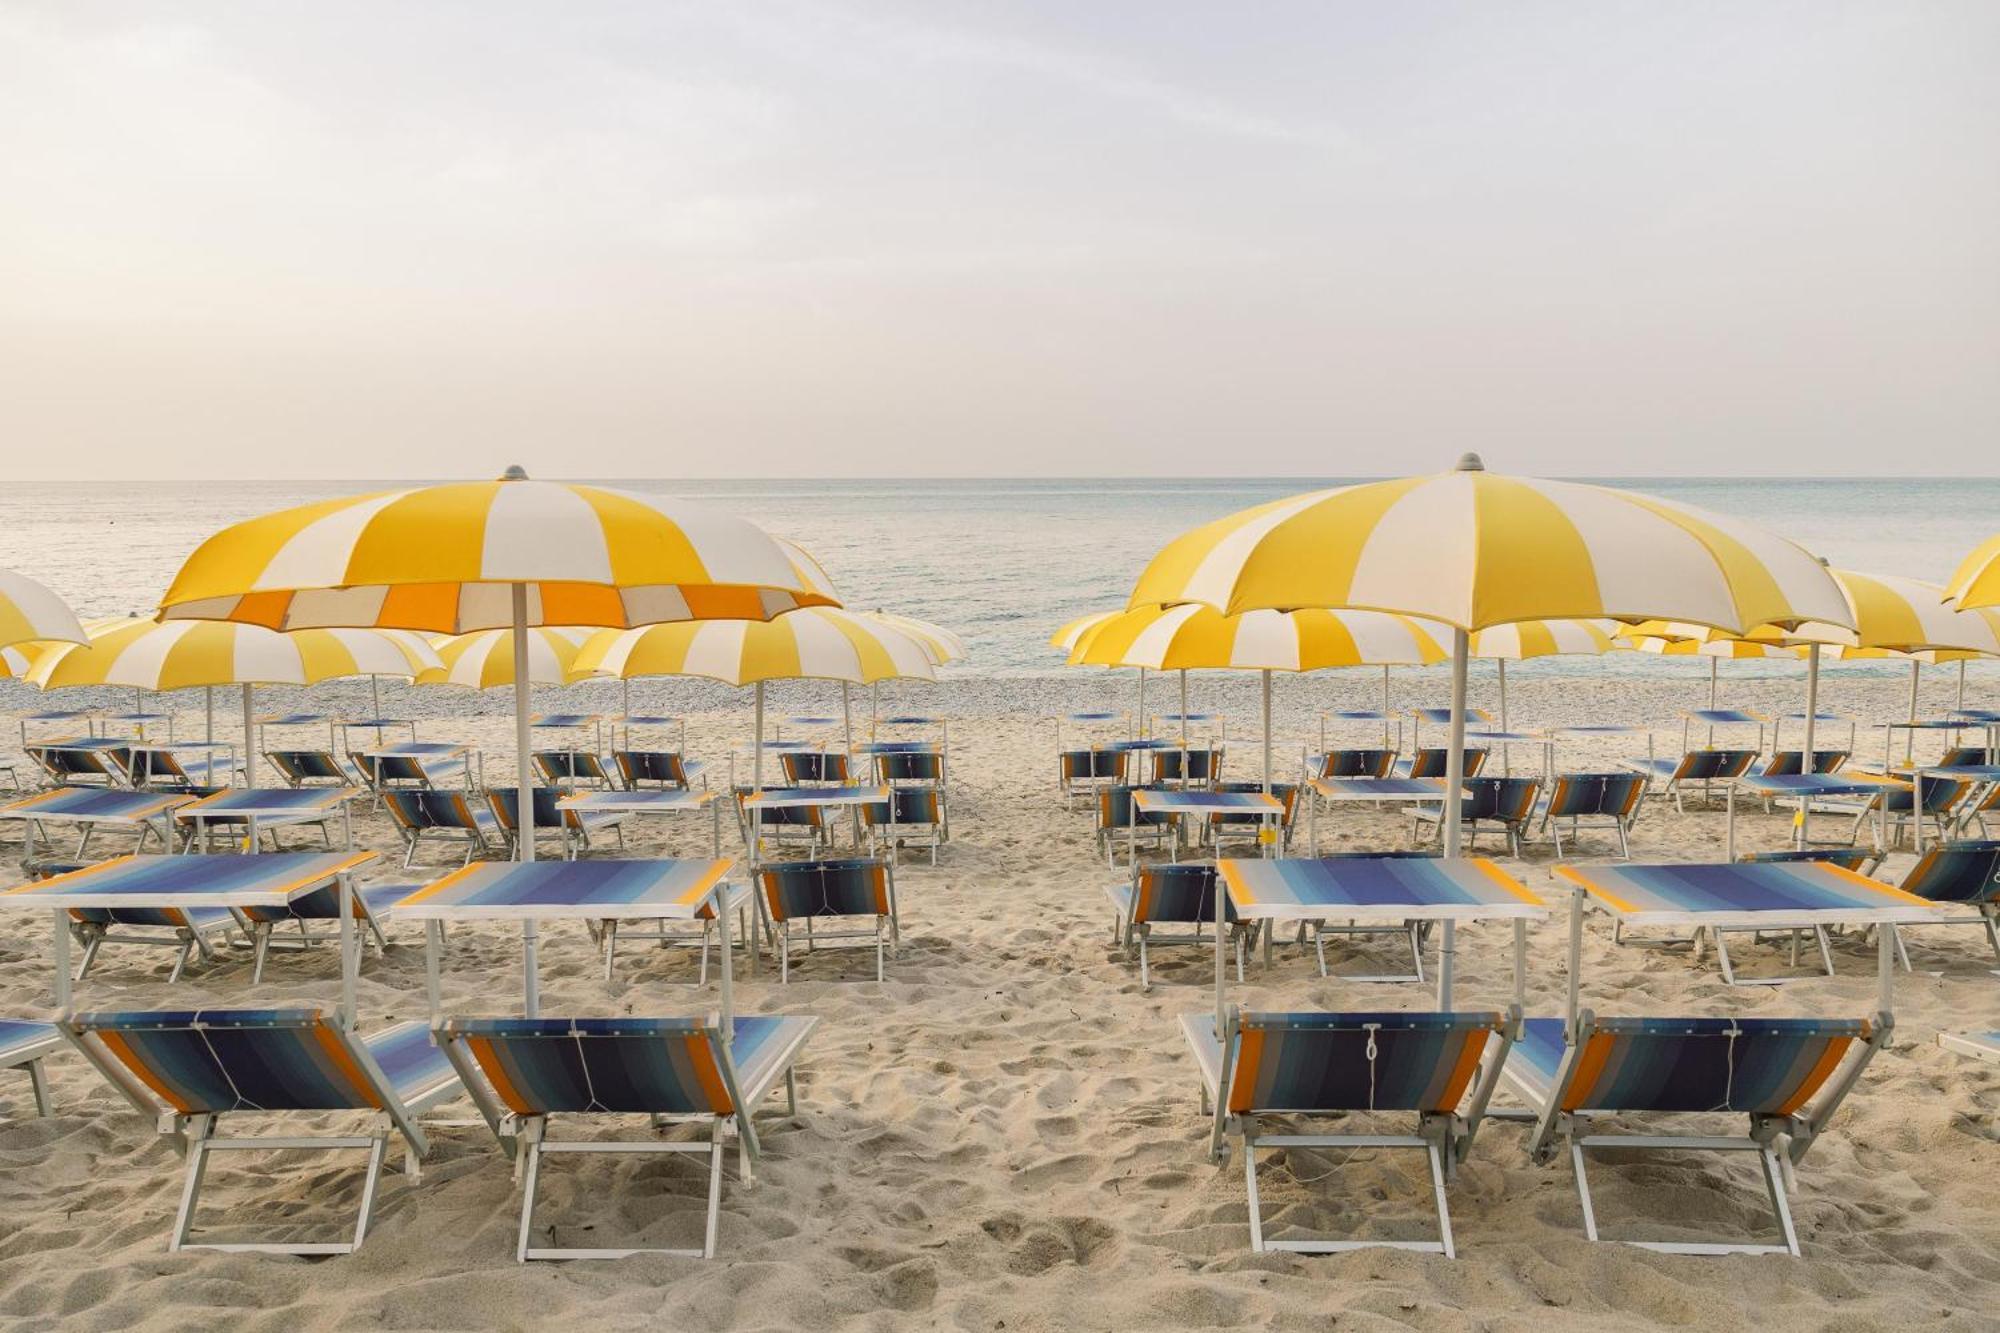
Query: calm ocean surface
point(1002, 562)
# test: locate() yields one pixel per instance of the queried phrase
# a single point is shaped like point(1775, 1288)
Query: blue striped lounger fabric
point(190, 1068)
point(1981, 1045)
point(23, 1045)
point(1787, 1075)
point(806, 891)
point(523, 1072)
point(1442, 1067)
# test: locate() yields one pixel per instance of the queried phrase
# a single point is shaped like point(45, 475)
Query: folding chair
point(918, 768)
point(1187, 768)
point(189, 931)
point(566, 768)
point(1703, 768)
point(422, 813)
point(1431, 762)
point(369, 901)
point(1607, 800)
point(24, 1044)
point(308, 768)
point(1965, 872)
point(1080, 772)
point(396, 772)
point(1118, 823)
point(187, 1069)
point(814, 768)
point(918, 821)
point(1788, 1075)
point(1508, 803)
point(666, 769)
point(801, 827)
point(809, 891)
point(525, 1072)
point(1328, 1064)
point(1176, 894)
point(1229, 826)
point(82, 762)
point(1364, 763)
point(576, 826)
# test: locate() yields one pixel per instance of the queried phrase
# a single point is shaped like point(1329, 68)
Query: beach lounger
point(1979, 1045)
point(742, 899)
point(82, 763)
point(525, 1072)
point(1787, 1075)
point(369, 901)
point(1187, 768)
point(918, 768)
point(308, 768)
point(576, 826)
point(1410, 934)
point(1230, 826)
point(1702, 768)
point(451, 814)
point(918, 822)
point(1119, 825)
point(665, 769)
point(187, 1069)
point(1430, 762)
point(1362, 763)
point(802, 827)
point(810, 891)
point(1504, 803)
point(401, 772)
point(1605, 800)
point(1942, 798)
point(1857, 859)
point(1176, 894)
point(196, 769)
point(566, 768)
point(812, 768)
point(24, 1044)
point(1327, 1064)
point(190, 930)
point(1787, 763)
point(1965, 872)
point(1080, 772)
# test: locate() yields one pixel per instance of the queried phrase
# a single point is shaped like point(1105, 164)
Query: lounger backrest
point(1580, 794)
point(1357, 764)
point(1847, 858)
point(1762, 1066)
point(813, 766)
point(1430, 761)
point(211, 1061)
point(559, 766)
point(801, 816)
point(539, 1066)
point(1957, 872)
point(1078, 765)
point(914, 805)
point(297, 766)
point(663, 766)
point(1713, 765)
point(1506, 800)
point(506, 803)
point(388, 767)
point(1114, 809)
point(1357, 1062)
point(1181, 894)
point(1186, 765)
point(1786, 763)
point(419, 810)
point(907, 766)
point(1940, 794)
point(1286, 792)
point(74, 763)
point(1964, 754)
point(855, 886)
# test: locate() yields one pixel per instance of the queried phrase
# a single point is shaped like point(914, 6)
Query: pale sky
point(820, 238)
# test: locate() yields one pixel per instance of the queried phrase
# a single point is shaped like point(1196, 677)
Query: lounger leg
point(260, 942)
point(531, 1156)
point(1319, 947)
point(611, 948)
point(714, 1193)
point(1825, 948)
point(1775, 1183)
point(1145, 975)
point(91, 940)
point(1722, 958)
point(40, 1082)
point(376, 1154)
point(1444, 1210)
point(1583, 1190)
point(198, 1131)
point(1250, 1184)
point(181, 959)
point(878, 950)
point(791, 1091)
point(785, 954)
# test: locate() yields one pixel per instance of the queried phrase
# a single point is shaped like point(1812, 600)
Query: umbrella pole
point(1141, 735)
point(524, 795)
point(1184, 717)
point(249, 753)
point(1712, 663)
point(1454, 801)
point(1267, 732)
point(846, 718)
point(1910, 736)
point(208, 706)
point(375, 699)
point(1506, 750)
point(1960, 705)
point(757, 740)
point(1806, 764)
point(874, 707)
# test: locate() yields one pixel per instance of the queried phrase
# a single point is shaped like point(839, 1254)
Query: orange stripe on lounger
point(1243, 1079)
point(1589, 1068)
point(1856, 877)
point(701, 1054)
point(1506, 881)
point(1828, 1062)
point(431, 890)
point(115, 1043)
point(1461, 1077)
point(496, 1074)
point(343, 1060)
point(1575, 876)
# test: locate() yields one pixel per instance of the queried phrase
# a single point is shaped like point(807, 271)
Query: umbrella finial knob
point(1469, 462)
point(514, 472)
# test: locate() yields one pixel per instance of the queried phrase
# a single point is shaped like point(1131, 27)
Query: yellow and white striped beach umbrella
point(1072, 632)
point(1884, 611)
point(184, 654)
point(1525, 639)
point(814, 643)
point(942, 644)
point(1196, 637)
point(1717, 649)
point(1474, 549)
point(1975, 584)
point(485, 659)
point(29, 612)
point(446, 559)
point(15, 660)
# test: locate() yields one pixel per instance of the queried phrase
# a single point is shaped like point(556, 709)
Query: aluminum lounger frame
point(195, 1138)
point(1443, 1137)
point(29, 1055)
point(526, 1138)
point(1554, 1126)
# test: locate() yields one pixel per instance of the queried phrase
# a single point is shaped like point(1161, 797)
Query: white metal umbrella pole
point(1712, 664)
point(1142, 704)
point(846, 718)
point(1454, 801)
point(1267, 732)
point(524, 794)
point(208, 706)
point(1506, 750)
point(1184, 718)
point(757, 740)
point(1960, 705)
point(249, 746)
point(1910, 736)
point(1806, 764)
point(375, 699)
point(874, 707)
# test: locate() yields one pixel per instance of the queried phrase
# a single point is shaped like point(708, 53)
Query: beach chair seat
point(697, 934)
point(1440, 1067)
point(1963, 872)
point(189, 1069)
point(24, 1044)
point(400, 772)
point(567, 768)
point(68, 766)
point(524, 1073)
point(1960, 755)
point(918, 821)
point(814, 768)
point(1080, 772)
point(1409, 934)
point(1187, 768)
point(577, 827)
point(798, 894)
point(1231, 826)
point(1431, 761)
point(1593, 800)
point(1357, 763)
point(799, 827)
point(1175, 894)
point(188, 930)
point(1787, 1075)
point(664, 769)
point(421, 813)
point(1791, 763)
point(308, 768)
point(1119, 824)
point(1504, 803)
point(918, 768)
point(370, 902)
point(1895, 805)
point(1704, 768)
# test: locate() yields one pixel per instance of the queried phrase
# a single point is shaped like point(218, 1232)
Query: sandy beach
point(1006, 1134)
